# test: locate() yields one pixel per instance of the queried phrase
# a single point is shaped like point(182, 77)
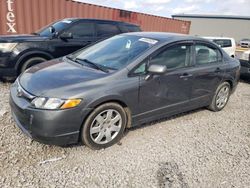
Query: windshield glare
point(116, 52)
point(59, 26)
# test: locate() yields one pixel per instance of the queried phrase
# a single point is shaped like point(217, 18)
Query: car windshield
point(116, 52)
point(59, 26)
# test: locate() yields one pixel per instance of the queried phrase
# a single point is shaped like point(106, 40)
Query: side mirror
point(157, 69)
point(66, 35)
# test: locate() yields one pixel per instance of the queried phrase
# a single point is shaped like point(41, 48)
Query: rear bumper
point(53, 127)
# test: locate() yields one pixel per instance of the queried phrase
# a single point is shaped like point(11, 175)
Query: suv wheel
point(32, 61)
point(104, 126)
point(221, 97)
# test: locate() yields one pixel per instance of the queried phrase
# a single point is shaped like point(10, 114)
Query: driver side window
point(177, 56)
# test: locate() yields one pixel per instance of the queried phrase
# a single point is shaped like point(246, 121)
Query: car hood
point(58, 78)
point(21, 38)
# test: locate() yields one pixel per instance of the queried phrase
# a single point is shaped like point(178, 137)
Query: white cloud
point(130, 5)
point(198, 1)
point(158, 8)
point(186, 9)
point(155, 2)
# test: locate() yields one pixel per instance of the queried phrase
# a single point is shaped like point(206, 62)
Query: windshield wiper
point(96, 66)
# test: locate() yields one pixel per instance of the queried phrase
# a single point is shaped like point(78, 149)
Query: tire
point(30, 62)
point(98, 130)
point(220, 97)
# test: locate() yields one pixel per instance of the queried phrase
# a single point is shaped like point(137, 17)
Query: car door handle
point(186, 75)
point(217, 70)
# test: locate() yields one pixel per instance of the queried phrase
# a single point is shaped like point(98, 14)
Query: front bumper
point(54, 127)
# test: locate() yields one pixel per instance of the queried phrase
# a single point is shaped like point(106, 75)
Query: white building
point(237, 27)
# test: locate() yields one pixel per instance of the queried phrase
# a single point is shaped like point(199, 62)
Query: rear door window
point(106, 29)
point(207, 54)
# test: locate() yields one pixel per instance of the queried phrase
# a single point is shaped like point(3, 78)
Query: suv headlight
point(54, 103)
point(7, 47)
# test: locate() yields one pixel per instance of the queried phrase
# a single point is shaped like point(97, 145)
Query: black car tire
point(30, 62)
point(214, 105)
point(86, 136)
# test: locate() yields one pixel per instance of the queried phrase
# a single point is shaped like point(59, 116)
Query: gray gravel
point(196, 149)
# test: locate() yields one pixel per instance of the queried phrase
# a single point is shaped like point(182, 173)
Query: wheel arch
point(31, 54)
point(230, 83)
point(105, 100)
point(114, 99)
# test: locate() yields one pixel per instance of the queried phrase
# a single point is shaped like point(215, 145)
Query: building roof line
point(211, 16)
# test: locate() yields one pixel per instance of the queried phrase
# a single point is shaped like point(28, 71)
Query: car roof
point(98, 20)
point(165, 37)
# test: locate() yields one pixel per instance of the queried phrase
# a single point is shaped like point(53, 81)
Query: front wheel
point(221, 97)
point(104, 126)
point(31, 62)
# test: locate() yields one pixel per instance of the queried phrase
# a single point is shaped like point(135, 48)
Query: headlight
point(54, 103)
point(7, 47)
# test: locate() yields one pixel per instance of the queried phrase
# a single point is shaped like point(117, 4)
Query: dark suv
point(19, 52)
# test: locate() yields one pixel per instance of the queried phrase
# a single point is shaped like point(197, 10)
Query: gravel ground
point(196, 149)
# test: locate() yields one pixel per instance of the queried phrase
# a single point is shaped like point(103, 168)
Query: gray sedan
point(94, 94)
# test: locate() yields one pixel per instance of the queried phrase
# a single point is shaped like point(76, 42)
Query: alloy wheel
point(105, 126)
point(222, 97)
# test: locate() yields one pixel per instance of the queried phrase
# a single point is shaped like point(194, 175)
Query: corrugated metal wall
point(26, 16)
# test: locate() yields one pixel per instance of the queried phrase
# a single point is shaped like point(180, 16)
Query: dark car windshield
point(59, 26)
point(115, 52)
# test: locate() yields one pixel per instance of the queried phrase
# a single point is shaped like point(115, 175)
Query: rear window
point(223, 42)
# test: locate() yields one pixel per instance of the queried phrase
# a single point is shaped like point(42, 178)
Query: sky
point(167, 8)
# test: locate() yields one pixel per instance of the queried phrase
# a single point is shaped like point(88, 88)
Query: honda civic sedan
point(94, 94)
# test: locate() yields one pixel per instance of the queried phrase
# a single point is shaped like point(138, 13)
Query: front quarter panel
point(124, 91)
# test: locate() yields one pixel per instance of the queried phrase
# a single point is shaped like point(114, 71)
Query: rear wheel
point(30, 62)
point(104, 126)
point(221, 97)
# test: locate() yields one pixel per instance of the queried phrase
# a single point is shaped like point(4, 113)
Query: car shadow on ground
point(245, 79)
point(152, 123)
point(141, 126)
